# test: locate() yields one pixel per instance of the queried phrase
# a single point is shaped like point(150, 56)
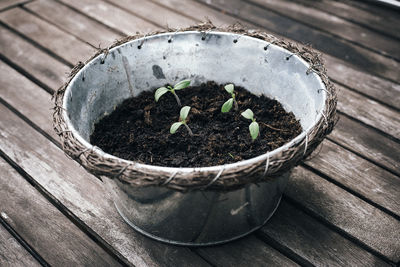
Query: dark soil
point(138, 129)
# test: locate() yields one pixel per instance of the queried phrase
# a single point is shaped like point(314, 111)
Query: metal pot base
point(199, 217)
point(194, 243)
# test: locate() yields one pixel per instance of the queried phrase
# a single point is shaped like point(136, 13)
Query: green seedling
point(227, 106)
point(182, 121)
point(179, 86)
point(253, 127)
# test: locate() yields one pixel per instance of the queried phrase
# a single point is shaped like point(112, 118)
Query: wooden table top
point(341, 207)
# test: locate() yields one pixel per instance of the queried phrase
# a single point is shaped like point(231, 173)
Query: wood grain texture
point(383, 90)
point(34, 61)
point(162, 17)
point(368, 143)
point(19, 92)
point(74, 23)
point(318, 244)
point(359, 175)
point(384, 24)
point(39, 111)
point(120, 20)
point(6, 4)
point(47, 35)
point(57, 240)
point(197, 11)
point(338, 70)
point(246, 251)
point(369, 111)
point(87, 199)
point(289, 28)
point(344, 211)
point(12, 254)
point(83, 195)
point(333, 25)
point(44, 122)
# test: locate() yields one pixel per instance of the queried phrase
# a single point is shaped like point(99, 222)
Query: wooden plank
point(12, 254)
point(369, 111)
point(333, 25)
point(42, 226)
point(319, 245)
point(43, 122)
point(359, 175)
point(383, 90)
point(74, 23)
point(83, 195)
point(357, 56)
point(162, 17)
point(120, 20)
point(6, 4)
point(249, 250)
point(47, 35)
point(368, 143)
point(37, 63)
point(197, 11)
point(384, 24)
point(338, 70)
point(21, 97)
point(342, 210)
point(39, 112)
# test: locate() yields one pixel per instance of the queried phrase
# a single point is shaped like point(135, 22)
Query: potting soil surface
point(139, 128)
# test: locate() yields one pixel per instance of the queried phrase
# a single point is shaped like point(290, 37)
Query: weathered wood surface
point(341, 209)
point(304, 236)
point(54, 237)
point(33, 61)
point(333, 25)
point(74, 23)
point(7, 4)
point(121, 20)
point(12, 254)
point(46, 35)
point(355, 55)
point(366, 142)
point(383, 90)
point(43, 121)
point(248, 250)
point(83, 195)
point(383, 24)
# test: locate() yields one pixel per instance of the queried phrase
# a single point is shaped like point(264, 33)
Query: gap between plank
point(351, 191)
point(37, 45)
point(272, 31)
point(351, 20)
point(397, 174)
point(26, 74)
point(56, 26)
point(91, 18)
point(67, 213)
point(394, 139)
point(23, 243)
point(338, 230)
point(321, 30)
point(284, 250)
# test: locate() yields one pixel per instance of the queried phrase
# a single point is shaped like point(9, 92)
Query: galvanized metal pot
point(202, 215)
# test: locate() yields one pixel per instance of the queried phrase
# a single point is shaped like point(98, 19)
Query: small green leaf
point(229, 88)
point(174, 127)
point(226, 107)
point(254, 130)
point(248, 114)
point(159, 92)
point(184, 113)
point(182, 84)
